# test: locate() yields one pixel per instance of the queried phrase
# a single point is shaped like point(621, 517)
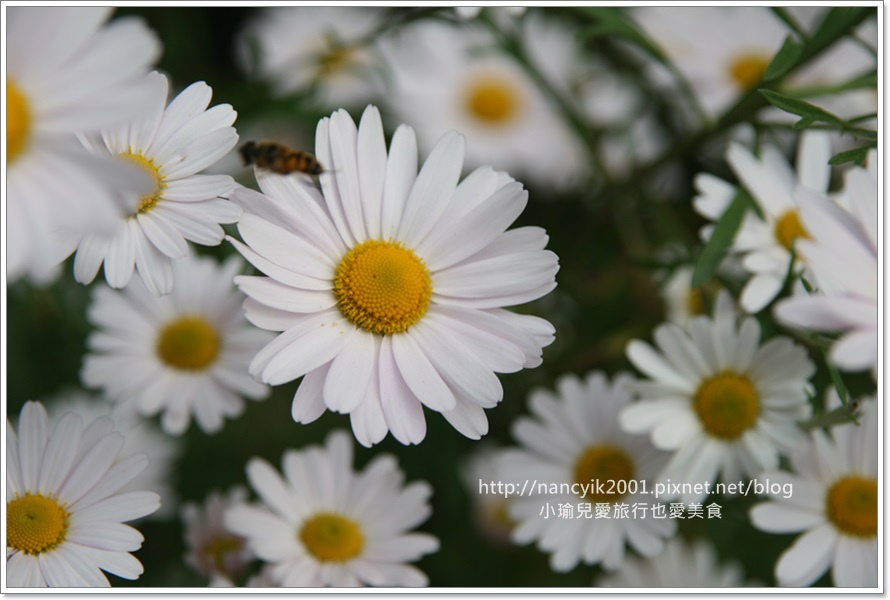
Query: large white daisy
point(442, 81)
point(64, 513)
point(140, 437)
point(323, 524)
point(67, 72)
point(842, 252)
point(172, 143)
point(682, 565)
point(834, 480)
point(717, 399)
point(766, 244)
point(389, 285)
point(575, 439)
point(320, 49)
point(181, 355)
point(213, 550)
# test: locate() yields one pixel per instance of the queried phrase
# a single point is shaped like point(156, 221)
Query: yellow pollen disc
point(748, 70)
point(35, 524)
point(337, 57)
point(727, 405)
point(188, 343)
point(788, 228)
point(852, 506)
point(603, 463)
point(220, 548)
point(148, 201)
point(332, 538)
point(382, 287)
point(18, 121)
point(493, 101)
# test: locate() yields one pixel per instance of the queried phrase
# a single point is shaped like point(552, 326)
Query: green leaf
point(838, 21)
point(856, 155)
point(614, 22)
point(721, 238)
point(785, 60)
point(809, 113)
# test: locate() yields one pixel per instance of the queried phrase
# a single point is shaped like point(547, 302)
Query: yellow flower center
point(788, 228)
point(220, 548)
point(695, 301)
point(748, 70)
point(148, 201)
point(852, 506)
point(35, 524)
point(332, 538)
point(382, 287)
point(337, 57)
point(493, 101)
point(188, 343)
point(18, 121)
point(727, 405)
point(603, 463)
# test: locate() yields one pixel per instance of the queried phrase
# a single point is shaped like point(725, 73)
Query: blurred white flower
point(448, 77)
point(682, 564)
point(842, 253)
point(323, 524)
point(181, 355)
point(67, 72)
point(172, 145)
point(319, 48)
point(65, 513)
point(834, 479)
point(575, 439)
point(140, 437)
point(471, 12)
point(213, 550)
point(719, 400)
point(389, 285)
point(490, 510)
point(766, 244)
point(682, 301)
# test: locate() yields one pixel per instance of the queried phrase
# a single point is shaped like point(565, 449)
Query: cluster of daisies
point(386, 286)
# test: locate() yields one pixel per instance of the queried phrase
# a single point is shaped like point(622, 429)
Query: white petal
point(308, 402)
point(401, 408)
point(420, 375)
point(372, 164)
point(401, 171)
point(780, 517)
point(808, 558)
point(350, 373)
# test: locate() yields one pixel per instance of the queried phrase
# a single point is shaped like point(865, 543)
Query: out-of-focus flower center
point(382, 287)
point(332, 538)
point(335, 59)
point(150, 200)
point(493, 100)
point(789, 228)
point(35, 524)
point(852, 506)
point(188, 343)
point(222, 554)
point(727, 405)
point(18, 121)
point(748, 69)
point(604, 463)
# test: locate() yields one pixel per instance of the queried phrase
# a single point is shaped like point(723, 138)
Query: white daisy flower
point(213, 550)
point(442, 81)
point(575, 439)
point(172, 145)
point(320, 49)
point(182, 355)
point(834, 480)
point(389, 285)
point(66, 72)
point(140, 437)
point(718, 399)
point(64, 513)
point(322, 524)
point(842, 253)
point(682, 564)
point(491, 512)
point(682, 301)
point(766, 244)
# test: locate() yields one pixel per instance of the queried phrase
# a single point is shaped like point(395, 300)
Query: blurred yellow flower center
point(788, 228)
point(695, 301)
point(748, 69)
point(852, 506)
point(382, 287)
point(148, 201)
point(493, 101)
point(218, 550)
point(332, 538)
point(602, 463)
point(35, 524)
point(727, 405)
point(335, 58)
point(18, 121)
point(188, 343)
